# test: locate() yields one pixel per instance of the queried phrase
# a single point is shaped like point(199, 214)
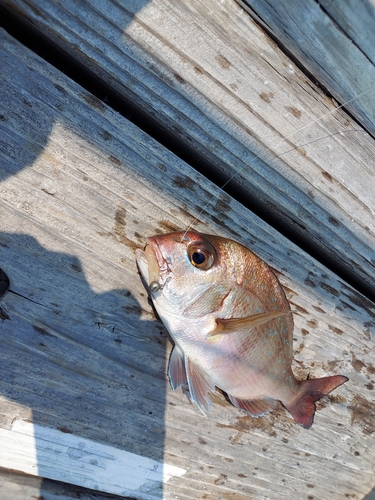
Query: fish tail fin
point(303, 409)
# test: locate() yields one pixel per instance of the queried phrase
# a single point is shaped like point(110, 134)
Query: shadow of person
point(29, 107)
point(84, 363)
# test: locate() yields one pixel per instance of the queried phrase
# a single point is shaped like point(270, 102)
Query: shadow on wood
point(222, 95)
point(83, 362)
point(83, 349)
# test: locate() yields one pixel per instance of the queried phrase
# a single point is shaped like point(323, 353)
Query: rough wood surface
point(62, 456)
point(208, 76)
point(81, 351)
point(18, 486)
point(334, 40)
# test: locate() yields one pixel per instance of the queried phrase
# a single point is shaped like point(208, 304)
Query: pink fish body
point(231, 324)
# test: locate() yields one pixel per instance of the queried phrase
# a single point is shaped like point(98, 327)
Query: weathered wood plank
point(61, 456)
point(333, 40)
point(18, 486)
point(207, 75)
point(82, 353)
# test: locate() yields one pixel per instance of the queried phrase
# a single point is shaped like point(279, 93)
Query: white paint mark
point(49, 453)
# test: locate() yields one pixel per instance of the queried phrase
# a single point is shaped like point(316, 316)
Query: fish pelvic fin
point(182, 370)
point(176, 370)
point(255, 407)
point(200, 385)
point(303, 410)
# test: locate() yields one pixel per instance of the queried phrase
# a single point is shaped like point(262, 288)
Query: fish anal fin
point(176, 369)
point(231, 325)
point(200, 385)
point(255, 407)
point(303, 410)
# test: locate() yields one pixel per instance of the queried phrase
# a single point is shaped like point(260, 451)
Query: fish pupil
point(198, 258)
point(201, 254)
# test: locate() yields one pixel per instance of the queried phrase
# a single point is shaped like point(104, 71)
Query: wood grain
point(82, 351)
point(18, 486)
point(333, 40)
point(211, 80)
point(60, 455)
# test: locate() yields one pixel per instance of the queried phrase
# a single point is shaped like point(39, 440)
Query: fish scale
point(231, 324)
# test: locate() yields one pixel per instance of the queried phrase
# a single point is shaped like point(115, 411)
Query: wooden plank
point(207, 75)
point(333, 40)
point(357, 21)
point(52, 453)
point(82, 352)
point(18, 486)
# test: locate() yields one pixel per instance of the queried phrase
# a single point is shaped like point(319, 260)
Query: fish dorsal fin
point(200, 385)
point(232, 325)
point(256, 407)
point(176, 369)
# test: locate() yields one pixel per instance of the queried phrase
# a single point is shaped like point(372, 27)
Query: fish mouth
point(152, 265)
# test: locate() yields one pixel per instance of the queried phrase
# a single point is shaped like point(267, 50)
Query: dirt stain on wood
point(114, 160)
point(336, 399)
point(295, 112)
point(105, 135)
point(357, 364)
point(227, 495)
point(119, 229)
point(267, 96)
point(332, 365)
point(327, 176)
point(359, 300)
point(312, 323)
point(333, 221)
point(330, 289)
point(222, 204)
point(277, 420)
point(169, 227)
point(221, 479)
point(179, 78)
point(65, 430)
point(184, 182)
point(94, 102)
point(42, 331)
point(334, 329)
point(299, 309)
point(363, 414)
point(223, 61)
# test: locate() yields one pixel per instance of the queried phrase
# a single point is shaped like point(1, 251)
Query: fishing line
point(284, 139)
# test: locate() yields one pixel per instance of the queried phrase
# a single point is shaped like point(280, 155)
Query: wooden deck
point(204, 92)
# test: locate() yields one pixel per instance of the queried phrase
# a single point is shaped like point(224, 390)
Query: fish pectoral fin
point(255, 407)
point(200, 385)
point(231, 325)
point(176, 370)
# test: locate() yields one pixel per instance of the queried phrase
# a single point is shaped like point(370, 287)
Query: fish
point(231, 325)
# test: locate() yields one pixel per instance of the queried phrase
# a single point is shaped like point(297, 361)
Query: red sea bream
point(230, 322)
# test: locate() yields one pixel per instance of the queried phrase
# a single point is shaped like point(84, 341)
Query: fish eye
point(201, 255)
